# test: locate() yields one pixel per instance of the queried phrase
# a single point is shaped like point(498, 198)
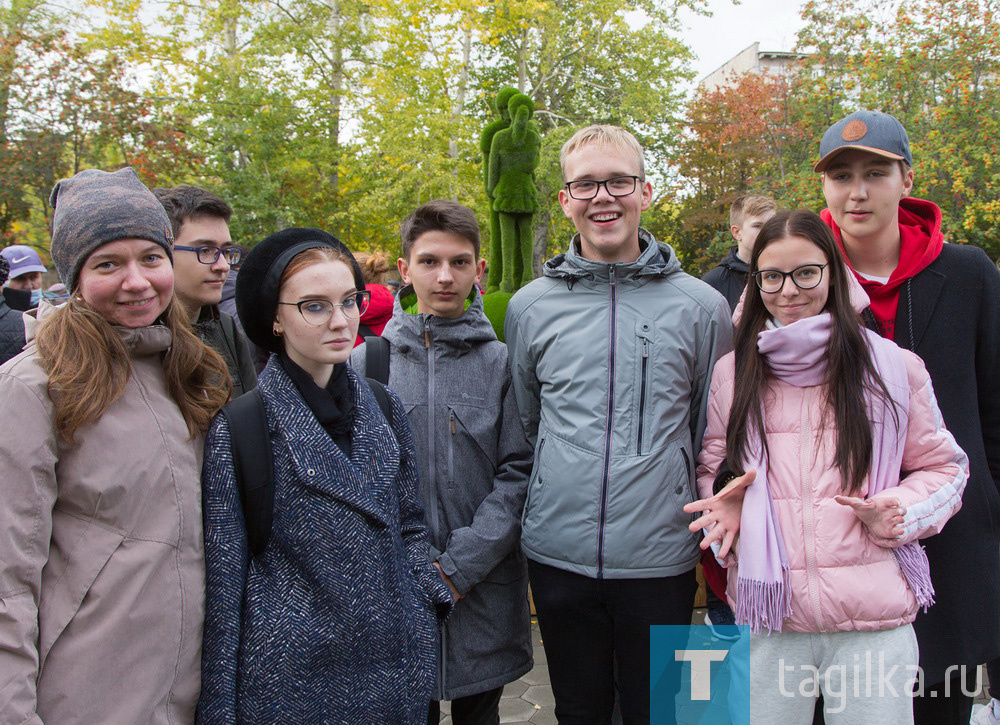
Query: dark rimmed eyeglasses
point(804, 277)
point(210, 255)
point(583, 189)
point(319, 312)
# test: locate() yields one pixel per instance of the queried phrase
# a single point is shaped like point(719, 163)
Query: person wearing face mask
point(11, 325)
point(102, 572)
point(23, 290)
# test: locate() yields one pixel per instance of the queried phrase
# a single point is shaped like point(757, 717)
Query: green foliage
point(65, 105)
point(933, 64)
point(346, 114)
point(495, 309)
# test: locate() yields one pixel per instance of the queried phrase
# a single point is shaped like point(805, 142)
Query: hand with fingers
point(455, 596)
point(883, 516)
point(722, 513)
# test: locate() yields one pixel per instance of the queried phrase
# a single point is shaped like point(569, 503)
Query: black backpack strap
point(366, 331)
point(378, 389)
point(251, 446)
point(377, 359)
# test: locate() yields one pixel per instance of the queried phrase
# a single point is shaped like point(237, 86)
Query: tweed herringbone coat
point(335, 622)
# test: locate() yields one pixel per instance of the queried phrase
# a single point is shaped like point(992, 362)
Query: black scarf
point(333, 405)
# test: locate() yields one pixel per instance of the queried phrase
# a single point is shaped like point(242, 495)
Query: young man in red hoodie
point(943, 302)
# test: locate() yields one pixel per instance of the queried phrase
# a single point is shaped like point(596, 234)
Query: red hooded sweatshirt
point(920, 244)
point(379, 311)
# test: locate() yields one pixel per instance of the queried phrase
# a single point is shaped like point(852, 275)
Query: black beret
point(260, 276)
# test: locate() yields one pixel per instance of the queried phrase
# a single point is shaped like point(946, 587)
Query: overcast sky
point(732, 28)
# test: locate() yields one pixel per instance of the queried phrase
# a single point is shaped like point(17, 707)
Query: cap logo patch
point(854, 130)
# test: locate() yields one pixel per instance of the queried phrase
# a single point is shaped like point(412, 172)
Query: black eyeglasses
point(210, 255)
point(584, 189)
point(319, 312)
point(806, 276)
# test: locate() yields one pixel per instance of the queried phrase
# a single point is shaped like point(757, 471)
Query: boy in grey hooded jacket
point(453, 377)
point(612, 352)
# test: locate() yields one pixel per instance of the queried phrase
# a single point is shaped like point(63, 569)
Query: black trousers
point(483, 708)
point(946, 704)
point(591, 626)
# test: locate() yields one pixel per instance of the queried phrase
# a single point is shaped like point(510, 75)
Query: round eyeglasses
point(804, 277)
point(210, 255)
point(583, 189)
point(319, 312)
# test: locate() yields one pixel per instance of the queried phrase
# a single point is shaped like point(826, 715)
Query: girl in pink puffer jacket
point(854, 465)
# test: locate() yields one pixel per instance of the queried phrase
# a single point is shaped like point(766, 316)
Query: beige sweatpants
point(865, 677)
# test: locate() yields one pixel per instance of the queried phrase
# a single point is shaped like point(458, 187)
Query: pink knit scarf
point(797, 354)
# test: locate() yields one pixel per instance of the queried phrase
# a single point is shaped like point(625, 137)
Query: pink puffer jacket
point(842, 578)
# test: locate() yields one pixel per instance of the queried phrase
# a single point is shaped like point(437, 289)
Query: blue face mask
point(36, 297)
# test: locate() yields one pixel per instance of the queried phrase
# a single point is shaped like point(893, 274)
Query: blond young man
point(746, 216)
point(611, 350)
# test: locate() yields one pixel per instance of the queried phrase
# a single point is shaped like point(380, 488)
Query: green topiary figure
point(485, 144)
point(514, 155)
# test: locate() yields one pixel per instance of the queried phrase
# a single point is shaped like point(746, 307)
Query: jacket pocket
point(79, 553)
point(452, 430)
point(644, 339)
point(643, 385)
point(535, 483)
point(472, 460)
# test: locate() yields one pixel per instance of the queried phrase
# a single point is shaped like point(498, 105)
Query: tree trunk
point(336, 93)
point(459, 105)
point(522, 62)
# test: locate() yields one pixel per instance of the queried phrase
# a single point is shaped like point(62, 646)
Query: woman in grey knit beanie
point(100, 446)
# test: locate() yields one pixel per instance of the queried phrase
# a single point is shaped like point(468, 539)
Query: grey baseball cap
point(22, 260)
point(878, 133)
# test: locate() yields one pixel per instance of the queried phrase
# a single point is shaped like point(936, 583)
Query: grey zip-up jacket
point(454, 380)
point(611, 366)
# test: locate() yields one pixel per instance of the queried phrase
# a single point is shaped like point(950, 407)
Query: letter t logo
point(701, 669)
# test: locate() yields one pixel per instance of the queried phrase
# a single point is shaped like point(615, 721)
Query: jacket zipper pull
point(427, 335)
point(451, 418)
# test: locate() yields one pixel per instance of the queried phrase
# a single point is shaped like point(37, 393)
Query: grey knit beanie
point(96, 207)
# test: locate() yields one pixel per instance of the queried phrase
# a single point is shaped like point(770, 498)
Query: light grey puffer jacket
point(454, 380)
point(611, 366)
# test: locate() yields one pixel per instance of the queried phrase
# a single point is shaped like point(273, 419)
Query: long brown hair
point(850, 374)
point(88, 365)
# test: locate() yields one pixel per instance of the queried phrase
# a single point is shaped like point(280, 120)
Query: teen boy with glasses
point(942, 301)
point(612, 352)
point(203, 254)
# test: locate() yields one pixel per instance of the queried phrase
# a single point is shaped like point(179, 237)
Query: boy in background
point(452, 375)
point(942, 301)
point(203, 255)
point(746, 216)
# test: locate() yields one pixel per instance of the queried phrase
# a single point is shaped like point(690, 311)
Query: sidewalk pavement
point(530, 700)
